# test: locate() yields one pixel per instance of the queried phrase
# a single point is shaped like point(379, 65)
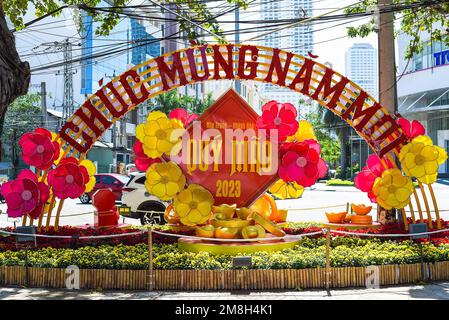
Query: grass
point(339, 182)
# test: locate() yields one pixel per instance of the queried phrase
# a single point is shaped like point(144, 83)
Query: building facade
point(361, 66)
point(297, 39)
point(423, 88)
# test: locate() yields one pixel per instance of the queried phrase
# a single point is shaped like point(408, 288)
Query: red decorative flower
point(25, 195)
point(183, 116)
point(365, 179)
point(278, 118)
point(68, 179)
point(411, 129)
point(38, 149)
point(142, 161)
point(301, 163)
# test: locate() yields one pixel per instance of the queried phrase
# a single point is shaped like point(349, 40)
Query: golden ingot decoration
point(164, 180)
point(193, 205)
point(286, 190)
point(305, 132)
point(421, 159)
point(207, 231)
point(268, 225)
point(393, 190)
point(157, 134)
point(253, 232)
point(232, 223)
point(225, 210)
point(227, 233)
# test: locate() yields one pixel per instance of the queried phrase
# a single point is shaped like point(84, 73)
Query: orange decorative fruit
point(336, 217)
point(170, 216)
point(265, 206)
point(365, 220)
point(361, 209)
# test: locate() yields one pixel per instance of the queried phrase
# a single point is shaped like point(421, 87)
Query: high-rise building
point(361, 67)
point(297, 39)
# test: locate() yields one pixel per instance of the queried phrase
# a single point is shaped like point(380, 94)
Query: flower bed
point(310, 253)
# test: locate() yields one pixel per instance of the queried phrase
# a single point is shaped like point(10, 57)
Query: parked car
point(113, 181)
point(144, 206)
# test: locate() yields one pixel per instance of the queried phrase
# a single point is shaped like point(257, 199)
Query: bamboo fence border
point(214, 280)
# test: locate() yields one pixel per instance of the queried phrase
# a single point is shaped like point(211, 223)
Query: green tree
point(171, 100)
point(414, 21)
point(15, 74)
point(23, 115)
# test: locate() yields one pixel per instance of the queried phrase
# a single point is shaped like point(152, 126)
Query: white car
point(144, 206)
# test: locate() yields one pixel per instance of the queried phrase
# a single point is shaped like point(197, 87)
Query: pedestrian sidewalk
point(430, 291)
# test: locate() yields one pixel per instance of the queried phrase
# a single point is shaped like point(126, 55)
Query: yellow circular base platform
point(232, 248)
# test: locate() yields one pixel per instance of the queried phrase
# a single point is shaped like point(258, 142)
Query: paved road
point(430, 291)
point(306, 208)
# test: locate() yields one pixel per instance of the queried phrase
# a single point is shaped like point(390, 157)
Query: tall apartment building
point(298, 39)
point(361, 67)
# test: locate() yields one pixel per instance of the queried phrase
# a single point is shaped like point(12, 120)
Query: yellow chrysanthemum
point(393, 190)
point(193, 205)
point(305, 132)
point(420, 159)
point(286, 190)
point(157, 135)
point(89, 165)
point(164, 180)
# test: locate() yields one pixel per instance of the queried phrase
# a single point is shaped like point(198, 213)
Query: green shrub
point(339, 182)
point(310, 253)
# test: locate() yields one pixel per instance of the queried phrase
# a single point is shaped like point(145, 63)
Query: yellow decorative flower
point(164, 180)
point(193, 205)
point(286, 190)
point(157, 135)
point(393, 190)
point(89, 165)
point(305, 132)
point(420, 159)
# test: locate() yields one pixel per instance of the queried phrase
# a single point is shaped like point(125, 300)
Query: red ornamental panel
point(241, 165)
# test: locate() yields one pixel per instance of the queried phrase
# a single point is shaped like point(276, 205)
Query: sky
point(333, 51)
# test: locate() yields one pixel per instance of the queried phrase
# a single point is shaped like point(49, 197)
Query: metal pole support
point(150, 259)
point(328, 258)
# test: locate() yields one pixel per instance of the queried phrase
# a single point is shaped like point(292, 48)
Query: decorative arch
point(192, 65)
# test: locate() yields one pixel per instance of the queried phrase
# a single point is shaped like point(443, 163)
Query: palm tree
point(343, 131)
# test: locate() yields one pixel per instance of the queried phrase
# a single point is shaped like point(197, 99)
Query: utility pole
point(387, 61)
point(44, 120)
point(67, 101)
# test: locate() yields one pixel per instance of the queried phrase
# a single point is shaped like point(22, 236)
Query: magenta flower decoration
point(142, 161)
point(365, 179)
point(301, 162)
point(68, 179)
point(183, 116)
point(38, 149)
point(280, 118)
point(411, 129)
point(25, 195)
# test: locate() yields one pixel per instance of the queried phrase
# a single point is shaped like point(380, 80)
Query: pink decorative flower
point(280, 118)
point(25, 195)
point(38, 149)
point(68, 179)
point(301, 163)
point(412, 129)
point(365, 179)
point(142, 161)
point(183, 116)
